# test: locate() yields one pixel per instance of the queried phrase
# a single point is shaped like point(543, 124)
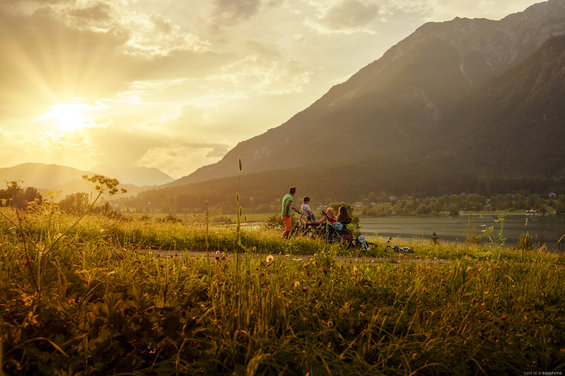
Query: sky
point(175, 84)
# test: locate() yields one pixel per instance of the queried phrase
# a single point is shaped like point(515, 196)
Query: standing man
point(286, 209)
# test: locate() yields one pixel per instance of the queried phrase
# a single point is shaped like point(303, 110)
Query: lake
point(546, 229)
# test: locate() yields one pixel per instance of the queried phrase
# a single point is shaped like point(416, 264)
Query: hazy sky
point(175, 84)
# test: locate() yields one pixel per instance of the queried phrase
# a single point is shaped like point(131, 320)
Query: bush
point(274, 222)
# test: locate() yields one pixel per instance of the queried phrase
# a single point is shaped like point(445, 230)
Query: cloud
point(349, 14)
point(442, 10)
point(119, 147)
point(45, 61)
point(96, 13)
point(181, 159)
point(160, 146)
point(229, 11)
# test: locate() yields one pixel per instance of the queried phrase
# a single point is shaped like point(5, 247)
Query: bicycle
point(396, 248)
point(302, 227)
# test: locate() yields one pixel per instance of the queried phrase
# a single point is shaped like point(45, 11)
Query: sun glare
point(74, 116)
point(68, 117)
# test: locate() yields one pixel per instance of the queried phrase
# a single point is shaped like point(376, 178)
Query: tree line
point(17, 197)
point(386, 204)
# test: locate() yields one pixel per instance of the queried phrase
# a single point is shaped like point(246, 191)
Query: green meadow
point(98, 296)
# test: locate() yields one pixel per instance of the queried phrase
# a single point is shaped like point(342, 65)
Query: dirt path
point(300, 258)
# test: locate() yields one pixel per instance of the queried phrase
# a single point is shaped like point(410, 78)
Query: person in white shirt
point(306, 209)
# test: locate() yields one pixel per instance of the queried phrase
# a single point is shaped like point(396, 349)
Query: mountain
point(139, 176)
point(397, 101)
point(508, 134)
point(52, 176)
point(515, 124)
point(40, 175)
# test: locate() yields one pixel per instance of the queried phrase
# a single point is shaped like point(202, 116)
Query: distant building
point(553, 195)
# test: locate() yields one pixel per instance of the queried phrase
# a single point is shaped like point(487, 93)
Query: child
point(329, 216)
point(306, 209)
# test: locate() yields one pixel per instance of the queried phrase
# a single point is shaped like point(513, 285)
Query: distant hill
point(398, 100)
point(40, 175)
point(52, 177)
point(139, 176)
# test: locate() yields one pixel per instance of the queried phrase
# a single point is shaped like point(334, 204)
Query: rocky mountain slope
point(515, 124)
point(399, 100)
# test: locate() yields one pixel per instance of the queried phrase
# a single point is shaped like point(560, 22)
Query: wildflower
point(28, 299)
point(305, 289)
point(503, 317)
point(330, 324)
point(270, 259)
point(296, 284)
point(32, 318)
point(473, 301)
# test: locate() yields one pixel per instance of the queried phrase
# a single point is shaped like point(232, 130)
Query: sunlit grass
point(112, 303)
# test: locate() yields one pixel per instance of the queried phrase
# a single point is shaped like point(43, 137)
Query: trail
point(300, 258)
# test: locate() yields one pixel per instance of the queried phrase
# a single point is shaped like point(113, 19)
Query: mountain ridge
point(395, 100)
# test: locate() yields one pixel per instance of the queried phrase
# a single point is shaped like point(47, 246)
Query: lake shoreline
point(484, 228)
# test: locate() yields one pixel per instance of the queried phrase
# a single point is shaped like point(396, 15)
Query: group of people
point(329, 216)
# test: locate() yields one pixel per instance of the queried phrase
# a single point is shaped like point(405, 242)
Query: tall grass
point(114, 304)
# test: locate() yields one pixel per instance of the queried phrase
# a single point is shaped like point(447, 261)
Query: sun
point(75, 116)
point(68, 117)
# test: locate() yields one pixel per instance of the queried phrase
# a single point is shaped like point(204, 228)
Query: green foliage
point(496, 237)
point(17, 197)
point(525, 241)
point(75, 203)
point(275, 222)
